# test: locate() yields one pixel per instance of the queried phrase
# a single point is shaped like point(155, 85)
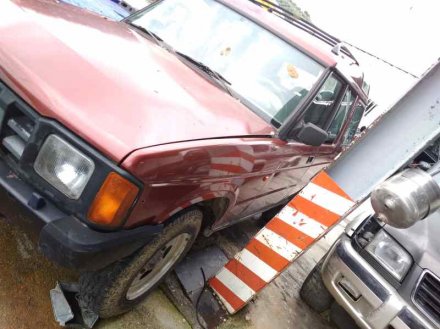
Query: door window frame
point(291, 123)
point(285, 131)
point(348, 118)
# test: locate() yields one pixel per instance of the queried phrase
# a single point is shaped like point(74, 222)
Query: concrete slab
point(189, 272)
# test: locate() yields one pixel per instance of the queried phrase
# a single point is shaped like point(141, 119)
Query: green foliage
point(294, 9)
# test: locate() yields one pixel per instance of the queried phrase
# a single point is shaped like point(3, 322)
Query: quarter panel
point(177, 175)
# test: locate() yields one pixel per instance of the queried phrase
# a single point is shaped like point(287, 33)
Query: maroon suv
point(125, 139)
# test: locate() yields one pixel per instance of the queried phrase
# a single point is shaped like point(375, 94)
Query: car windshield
point(102, 7)
point(267, 73)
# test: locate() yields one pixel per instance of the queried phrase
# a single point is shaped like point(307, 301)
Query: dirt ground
point(26, 278)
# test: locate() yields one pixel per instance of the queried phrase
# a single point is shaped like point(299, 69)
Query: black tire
point(105, 291)
point(340, 317)
point(313, 291)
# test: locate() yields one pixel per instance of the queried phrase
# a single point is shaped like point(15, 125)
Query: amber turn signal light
point(113, 201)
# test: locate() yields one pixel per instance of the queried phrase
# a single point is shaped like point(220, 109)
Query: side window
point(340, 116)
point(354, 123)
point(322, 107)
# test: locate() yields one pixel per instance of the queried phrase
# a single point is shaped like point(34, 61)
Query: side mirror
point(311, 134)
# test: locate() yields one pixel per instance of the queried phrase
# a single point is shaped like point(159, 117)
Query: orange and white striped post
point(402, 133)
point(306, 218)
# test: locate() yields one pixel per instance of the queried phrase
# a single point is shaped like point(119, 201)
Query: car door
point(344, 126)
point(292, 164)
point(335, 127)
point(295, 158)
point(321, 111)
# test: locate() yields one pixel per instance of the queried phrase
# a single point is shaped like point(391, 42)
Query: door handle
point(310, 159)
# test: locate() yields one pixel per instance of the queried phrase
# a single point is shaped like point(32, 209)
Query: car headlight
point(64, 167)
point(390, 255)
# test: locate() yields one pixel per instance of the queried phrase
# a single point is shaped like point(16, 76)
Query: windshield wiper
point(206, 69)
point(210, 72)
point(151, 34)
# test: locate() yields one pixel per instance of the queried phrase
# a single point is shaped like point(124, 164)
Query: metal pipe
point(406, 198)
point(394, 141)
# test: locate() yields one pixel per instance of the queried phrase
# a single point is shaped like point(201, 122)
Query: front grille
point(16, 125)
point(16, 134)
point(427, 296)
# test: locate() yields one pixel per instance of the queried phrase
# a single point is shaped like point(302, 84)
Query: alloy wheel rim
point(157, 266)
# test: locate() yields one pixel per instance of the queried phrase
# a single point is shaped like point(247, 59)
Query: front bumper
point(370, 300)
point(64, 239)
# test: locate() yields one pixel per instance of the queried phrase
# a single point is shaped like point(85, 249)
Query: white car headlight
point(390, 255)
point(64, 167)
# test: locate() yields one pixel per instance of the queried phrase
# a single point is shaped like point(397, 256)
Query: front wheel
point(119, 287)
point(313, 291)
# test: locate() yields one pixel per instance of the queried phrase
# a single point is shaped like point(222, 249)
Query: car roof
point(313, 46)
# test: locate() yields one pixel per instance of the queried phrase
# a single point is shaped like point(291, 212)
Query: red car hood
point(108, 84)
